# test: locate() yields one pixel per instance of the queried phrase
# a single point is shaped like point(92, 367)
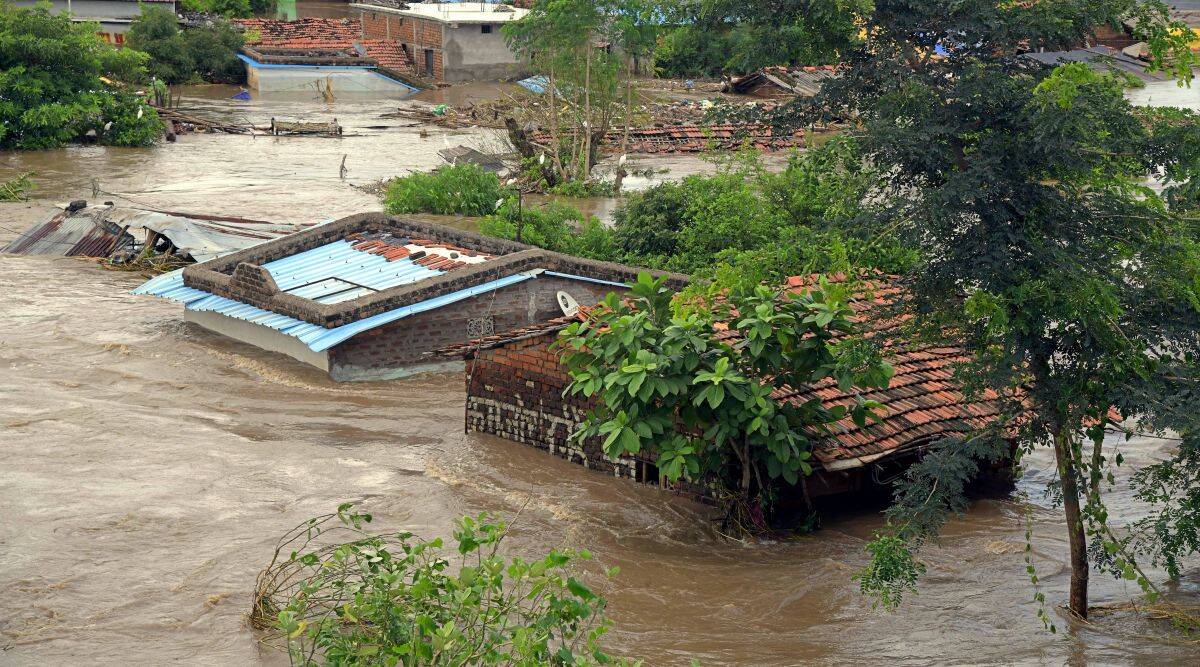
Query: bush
point(462, 189)
point(396, 599)
point(206, 52)
point(51, 91)
point(231, 8)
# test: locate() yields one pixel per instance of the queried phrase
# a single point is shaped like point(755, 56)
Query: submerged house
point(120, 233)
point(369, 296)
point(447, 41)
point(515, 385)
point(780, 82)
point(323, 53)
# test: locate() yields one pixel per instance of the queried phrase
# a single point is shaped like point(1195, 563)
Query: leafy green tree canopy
point(1075, 284)
point(51, 86)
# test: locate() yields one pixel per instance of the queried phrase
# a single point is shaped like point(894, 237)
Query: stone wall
point(384, 351)
point(515, 391)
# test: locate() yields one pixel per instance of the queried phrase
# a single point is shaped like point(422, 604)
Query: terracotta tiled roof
point(326, 34)
point(305, 33)
point(697, 138)
point(922, 404)
point(425, 252)
point(387, 54)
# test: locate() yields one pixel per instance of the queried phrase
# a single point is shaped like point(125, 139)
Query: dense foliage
point(51, 87)
point(461, 189)
point(231, 8)
point(1075, 285)
point(670, 381)
point(729, 37)
point(553, 226)
point(397, 599)
point(744, 223)
point(207, 52)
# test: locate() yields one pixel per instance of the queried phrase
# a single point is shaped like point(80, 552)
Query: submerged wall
point(267, 77)
point(515, 392)
point(388, 351)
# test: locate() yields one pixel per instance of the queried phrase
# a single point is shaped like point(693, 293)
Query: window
point(481, 326)
point(119, 38)
point(486, 28)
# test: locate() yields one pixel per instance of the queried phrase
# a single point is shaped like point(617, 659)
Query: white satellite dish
point(568, 304)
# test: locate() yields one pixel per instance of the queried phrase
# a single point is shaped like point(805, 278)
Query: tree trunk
point(620, 176)
point(555, 139)
point(1069, 479)
point(586, 152)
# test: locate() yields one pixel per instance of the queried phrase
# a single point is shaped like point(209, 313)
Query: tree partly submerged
point(1074, 283)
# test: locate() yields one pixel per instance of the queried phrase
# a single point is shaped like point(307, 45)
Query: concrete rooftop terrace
point(453, 12)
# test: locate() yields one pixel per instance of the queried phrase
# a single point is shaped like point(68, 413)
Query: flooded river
point(147, 467)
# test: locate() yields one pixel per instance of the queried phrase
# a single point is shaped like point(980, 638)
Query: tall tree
point(571, 43)
point(1075, 284)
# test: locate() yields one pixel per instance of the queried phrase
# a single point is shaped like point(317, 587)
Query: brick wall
point(410, 340)
point(378, 25)
point(516, 392)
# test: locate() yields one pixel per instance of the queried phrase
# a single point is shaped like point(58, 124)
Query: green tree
point(668, 380)
point(713, 37)
point(395, 599)
point(207, 52)
point(1075, 285)
point(51, 73)
point(156, 33)
point(570, 42)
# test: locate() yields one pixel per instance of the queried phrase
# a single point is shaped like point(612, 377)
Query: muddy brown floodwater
point(147, 466)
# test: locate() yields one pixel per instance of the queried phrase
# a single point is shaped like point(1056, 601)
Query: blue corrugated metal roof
point(317, 338)
point(337, 272)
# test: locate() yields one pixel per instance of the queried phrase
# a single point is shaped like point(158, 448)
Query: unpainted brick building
point(370, 296)
point(515, 390)
point(447, 41)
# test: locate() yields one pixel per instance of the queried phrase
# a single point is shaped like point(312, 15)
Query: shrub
point(462, 189)
point(396, 599)
point(52, 92)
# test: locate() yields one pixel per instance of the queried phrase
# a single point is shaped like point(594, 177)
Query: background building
point(448, 41)
point(114, 16)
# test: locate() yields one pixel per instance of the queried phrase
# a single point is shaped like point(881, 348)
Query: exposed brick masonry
point(516, 392)
point(216, 276)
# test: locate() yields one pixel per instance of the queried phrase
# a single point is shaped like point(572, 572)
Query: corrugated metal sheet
point(96, 231)
point(337, 272)
point(317, 338)
point(67, 235)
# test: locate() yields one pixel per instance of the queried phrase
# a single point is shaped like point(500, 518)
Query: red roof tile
point(922, 404)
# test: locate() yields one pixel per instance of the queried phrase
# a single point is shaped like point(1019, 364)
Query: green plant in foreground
point(396, 599)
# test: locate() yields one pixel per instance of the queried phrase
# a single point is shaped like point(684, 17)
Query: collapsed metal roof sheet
point(202, 237)
point(71, 235)
point(101, 231)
